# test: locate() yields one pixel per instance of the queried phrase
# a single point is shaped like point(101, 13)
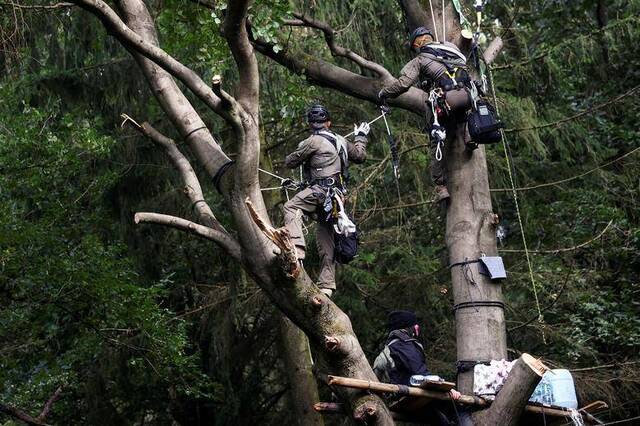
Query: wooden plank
point(594, 407)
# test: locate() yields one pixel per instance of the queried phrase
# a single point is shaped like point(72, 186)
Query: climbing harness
point(393, 146)
point(515, 199)
point(438, 133)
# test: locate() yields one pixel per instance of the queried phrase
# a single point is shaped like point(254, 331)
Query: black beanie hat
point(401, 319)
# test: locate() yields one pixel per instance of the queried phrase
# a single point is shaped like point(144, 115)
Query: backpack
point(346, 247)
point(483, 123)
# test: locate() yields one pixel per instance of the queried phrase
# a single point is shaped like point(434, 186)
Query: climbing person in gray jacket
point(440, 68)
point(325, 158)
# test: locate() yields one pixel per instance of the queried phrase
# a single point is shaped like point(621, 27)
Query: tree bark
point(512, 398)
point(303, 393)
point(470, 231)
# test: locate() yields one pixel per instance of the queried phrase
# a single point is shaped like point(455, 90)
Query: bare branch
point(492, 51)
point(325, 74)
point(170, 97)
point(336, 50)
point(47, 406)
point(38, 6)
point(192, 187)
point(234, 30)
point(132, 40)
point(30, 420)
point(220, 238)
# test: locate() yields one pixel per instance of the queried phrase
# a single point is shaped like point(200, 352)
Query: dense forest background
point(145, 325)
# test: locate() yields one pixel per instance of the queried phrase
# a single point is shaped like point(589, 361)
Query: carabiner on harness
point(438, 133)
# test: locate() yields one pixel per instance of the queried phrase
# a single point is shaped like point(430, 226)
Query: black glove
point(287, 183)
point(382, 101)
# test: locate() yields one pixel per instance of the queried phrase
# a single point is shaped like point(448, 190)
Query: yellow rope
point(515, 199)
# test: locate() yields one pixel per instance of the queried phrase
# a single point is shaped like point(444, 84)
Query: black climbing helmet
point(317, 114)
point(420, 31)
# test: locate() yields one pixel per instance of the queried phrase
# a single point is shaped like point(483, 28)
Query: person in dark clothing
point(403, 355)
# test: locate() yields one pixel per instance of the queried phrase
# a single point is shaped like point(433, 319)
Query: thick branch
point(234, 30)
point(415, 15)
point(325, 74)
point(170, 97)
point(492, 51)
point(336, 50)
point(119, 29)
point(220, 238)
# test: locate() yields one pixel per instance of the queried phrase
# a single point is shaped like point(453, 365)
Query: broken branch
point(280, 237)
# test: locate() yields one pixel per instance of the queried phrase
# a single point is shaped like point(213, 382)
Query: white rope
point(272, 174)
point(433, 19)
point(370, 123)
point(444, 27)
point(439, 151)
point(515, 199)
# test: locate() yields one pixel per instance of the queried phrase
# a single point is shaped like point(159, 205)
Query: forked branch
point(130, 39)
point(304, 20)
point(40, 419)
point(192, 187)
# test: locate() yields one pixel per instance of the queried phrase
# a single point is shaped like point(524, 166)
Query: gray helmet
point(317, 114)
point(420, 31)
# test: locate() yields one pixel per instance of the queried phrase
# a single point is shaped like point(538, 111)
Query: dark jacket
point(401, 358)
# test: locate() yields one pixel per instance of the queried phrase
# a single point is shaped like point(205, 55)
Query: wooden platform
point(414, 401)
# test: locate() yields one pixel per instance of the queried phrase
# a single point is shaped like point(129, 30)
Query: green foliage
point(154, 319)
point(74, 304)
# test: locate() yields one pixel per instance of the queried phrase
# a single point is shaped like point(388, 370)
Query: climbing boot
point(442, 193)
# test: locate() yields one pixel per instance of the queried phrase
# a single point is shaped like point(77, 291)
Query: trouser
point(438, 170)
point(460, 101)
point(309, 201)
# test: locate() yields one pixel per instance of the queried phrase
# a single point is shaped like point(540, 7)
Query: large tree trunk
point(303, 393)
point(480, 330)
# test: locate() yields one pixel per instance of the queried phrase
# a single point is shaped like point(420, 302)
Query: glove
point(361, 130)
point(383, 102)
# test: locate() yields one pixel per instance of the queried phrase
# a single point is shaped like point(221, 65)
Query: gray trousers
point(309, 201)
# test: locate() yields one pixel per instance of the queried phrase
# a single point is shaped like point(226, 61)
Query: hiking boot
point(441, 193)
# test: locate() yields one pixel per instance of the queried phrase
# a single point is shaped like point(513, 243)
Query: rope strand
point(515, 199)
